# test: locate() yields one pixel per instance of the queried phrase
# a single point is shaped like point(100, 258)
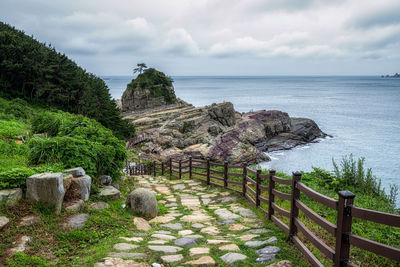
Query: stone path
point(202, 226)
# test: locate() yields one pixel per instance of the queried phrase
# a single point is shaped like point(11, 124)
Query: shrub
point(76, 141)
point(16, 177)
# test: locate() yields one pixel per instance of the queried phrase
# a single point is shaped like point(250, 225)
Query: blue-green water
point(361, 113)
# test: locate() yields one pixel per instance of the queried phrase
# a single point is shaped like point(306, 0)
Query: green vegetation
point(37, 73)
point(140, 68)
point(34, 140)
point(157, 82)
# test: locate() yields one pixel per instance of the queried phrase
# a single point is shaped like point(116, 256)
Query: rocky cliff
point(149, 90)
point(219, 132)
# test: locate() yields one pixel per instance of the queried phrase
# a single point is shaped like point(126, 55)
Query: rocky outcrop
point(149, 90)
point(220, 133)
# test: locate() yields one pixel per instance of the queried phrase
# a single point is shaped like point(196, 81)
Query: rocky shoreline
point(217, 132)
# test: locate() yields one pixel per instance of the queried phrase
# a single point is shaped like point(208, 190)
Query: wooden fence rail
point(252, 188)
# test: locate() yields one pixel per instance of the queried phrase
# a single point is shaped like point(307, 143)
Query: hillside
point(37, 73)
point(34, 140)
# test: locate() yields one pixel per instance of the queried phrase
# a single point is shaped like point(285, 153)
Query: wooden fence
point(252, 189)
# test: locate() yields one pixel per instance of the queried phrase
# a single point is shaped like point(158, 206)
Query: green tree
point(38, 73)
point(140, 68)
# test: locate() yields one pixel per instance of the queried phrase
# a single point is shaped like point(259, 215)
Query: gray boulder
point(76, 172)
point(47, 188)
point(143, 201)
point(79, 188)
point(105, 179)
point(10, 197)
point(109, 193)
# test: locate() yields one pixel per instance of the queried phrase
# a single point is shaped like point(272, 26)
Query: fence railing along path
point(252, 189)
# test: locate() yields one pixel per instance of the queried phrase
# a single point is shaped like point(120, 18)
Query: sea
point(361, 114)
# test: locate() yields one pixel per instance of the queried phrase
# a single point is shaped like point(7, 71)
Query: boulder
point(47, 188)
point(105, 179)
point(143, 201)
point(109, 192)
point(10, 197)
point(76, 172)
point(3, 221)
point(79, 188)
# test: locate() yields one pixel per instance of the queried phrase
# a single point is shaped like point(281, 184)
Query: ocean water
point(362, 114)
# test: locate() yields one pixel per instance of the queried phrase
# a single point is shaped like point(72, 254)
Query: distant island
point(396, 75)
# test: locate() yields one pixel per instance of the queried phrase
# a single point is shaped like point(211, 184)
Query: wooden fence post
point(190, 167)
point(208, 171)
point(170, 167)
point(154, 169)
point(258, 189)
point(294, 211)
point(244, 182)
point(344, 221)
point(180, 169)
point(271, 197)
point(225, 174)
point(162, 168)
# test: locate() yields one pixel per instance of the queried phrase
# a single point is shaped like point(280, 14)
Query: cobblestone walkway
point(198, 225)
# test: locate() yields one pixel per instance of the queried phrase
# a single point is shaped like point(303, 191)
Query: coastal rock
point(150, 89)
point(219, 133)
point(47, 188)
point(143, 201)
point(10, 197)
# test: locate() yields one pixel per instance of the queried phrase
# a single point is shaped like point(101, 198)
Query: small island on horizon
point(396, 75)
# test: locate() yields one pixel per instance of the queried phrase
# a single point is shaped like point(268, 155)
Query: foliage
point(352, 175)
point(76, 141)
point(157, 82)
point(140, 68)
point(36, 72)
point(21, 260)
point(50, 141)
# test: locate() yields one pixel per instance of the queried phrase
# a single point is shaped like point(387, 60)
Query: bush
point(76, 141)
point(16, 177)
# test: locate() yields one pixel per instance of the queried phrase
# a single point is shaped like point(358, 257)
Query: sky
point(218, 37)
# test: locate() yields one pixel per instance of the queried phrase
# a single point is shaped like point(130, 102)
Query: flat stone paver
point(198, 251)
point(205, 260)
point(231, 257)
point(141, 224)
point(172, 258)
point(165, 249)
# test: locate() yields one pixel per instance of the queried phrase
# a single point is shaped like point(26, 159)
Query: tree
point(140, 68)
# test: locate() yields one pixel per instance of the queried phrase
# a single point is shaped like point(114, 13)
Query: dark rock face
point(223, 113)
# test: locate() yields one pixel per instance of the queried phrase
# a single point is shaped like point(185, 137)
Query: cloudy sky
point(218, 37)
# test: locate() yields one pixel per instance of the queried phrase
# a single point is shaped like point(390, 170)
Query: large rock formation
point(149, 90)
point(219, 132)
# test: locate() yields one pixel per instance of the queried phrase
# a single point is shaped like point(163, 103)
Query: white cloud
point(97, 33)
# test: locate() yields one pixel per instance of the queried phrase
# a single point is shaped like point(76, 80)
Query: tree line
point(38, 73)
